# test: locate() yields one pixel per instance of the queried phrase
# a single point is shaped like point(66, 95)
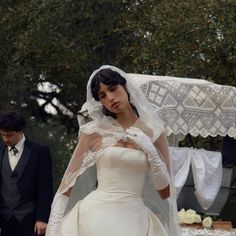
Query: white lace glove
point(159, 171)
point(57, 212)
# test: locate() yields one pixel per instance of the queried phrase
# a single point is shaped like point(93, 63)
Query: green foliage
point(208, 143)
point(193, 39)
point(61, 143)
point(61, 42)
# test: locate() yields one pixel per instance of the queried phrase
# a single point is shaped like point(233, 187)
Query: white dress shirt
point(14, 159)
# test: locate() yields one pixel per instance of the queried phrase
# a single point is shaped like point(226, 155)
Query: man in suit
point(26, 188)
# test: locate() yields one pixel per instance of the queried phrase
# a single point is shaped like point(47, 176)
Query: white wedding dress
point(116, 207)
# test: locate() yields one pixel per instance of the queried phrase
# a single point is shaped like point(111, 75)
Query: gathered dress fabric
point(116, 207)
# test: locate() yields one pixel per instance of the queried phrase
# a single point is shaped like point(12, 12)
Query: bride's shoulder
point(151, 128)
point(96, 126)
point(89, 127)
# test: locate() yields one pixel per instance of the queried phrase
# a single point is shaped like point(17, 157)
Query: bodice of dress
point(116, 207)
point(122, 169)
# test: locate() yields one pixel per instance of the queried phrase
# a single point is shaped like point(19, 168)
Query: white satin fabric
point(116, 207)
point(207, 172)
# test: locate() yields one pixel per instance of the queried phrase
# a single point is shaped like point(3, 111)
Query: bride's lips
point(115, 104)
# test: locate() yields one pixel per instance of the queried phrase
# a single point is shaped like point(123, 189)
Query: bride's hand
point(159, 171)
point(138, 137)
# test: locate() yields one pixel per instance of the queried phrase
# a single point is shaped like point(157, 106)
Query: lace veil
point(97, 132)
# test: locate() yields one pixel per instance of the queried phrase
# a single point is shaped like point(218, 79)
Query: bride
point(126, 142)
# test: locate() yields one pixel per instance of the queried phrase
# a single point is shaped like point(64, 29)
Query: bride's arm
point(160, 173)
point(162, 146)
point(68, 192)
point(57, 212)
point(62, 196)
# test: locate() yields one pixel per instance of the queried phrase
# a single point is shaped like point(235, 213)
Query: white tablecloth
point(205, 232)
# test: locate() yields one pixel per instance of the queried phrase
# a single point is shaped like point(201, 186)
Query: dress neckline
point(116, 123)
point(125, 148)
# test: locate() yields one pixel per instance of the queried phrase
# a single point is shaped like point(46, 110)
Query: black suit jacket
point(34, 177)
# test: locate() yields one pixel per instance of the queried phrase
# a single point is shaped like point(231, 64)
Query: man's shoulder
point(2, 145)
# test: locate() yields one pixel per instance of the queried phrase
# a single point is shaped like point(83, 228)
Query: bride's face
point(113, 97)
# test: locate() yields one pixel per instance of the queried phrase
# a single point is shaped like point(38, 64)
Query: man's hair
point(12, 121)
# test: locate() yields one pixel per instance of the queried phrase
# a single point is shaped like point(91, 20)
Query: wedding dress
point(116, 207)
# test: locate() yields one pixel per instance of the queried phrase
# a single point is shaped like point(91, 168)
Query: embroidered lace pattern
point(192, 106)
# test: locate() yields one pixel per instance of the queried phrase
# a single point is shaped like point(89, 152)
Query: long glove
point(57, 212)
point(159, 170)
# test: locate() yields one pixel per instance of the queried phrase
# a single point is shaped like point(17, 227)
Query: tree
point(188, 39)
point(56, 42)
point(48, 49)
point(61, 42)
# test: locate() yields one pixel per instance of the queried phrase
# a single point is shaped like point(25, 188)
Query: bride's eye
point(112, 87)
point(101, 96)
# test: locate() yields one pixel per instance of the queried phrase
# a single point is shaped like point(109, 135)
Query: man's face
point(11, 138)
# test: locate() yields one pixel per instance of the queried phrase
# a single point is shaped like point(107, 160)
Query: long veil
point(97, 132)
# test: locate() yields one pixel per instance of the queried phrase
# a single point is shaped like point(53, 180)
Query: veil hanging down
point(97, 132)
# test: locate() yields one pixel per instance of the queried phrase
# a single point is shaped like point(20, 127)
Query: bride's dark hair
point(108, 77)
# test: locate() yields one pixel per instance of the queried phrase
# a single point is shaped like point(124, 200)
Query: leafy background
point(56, 44)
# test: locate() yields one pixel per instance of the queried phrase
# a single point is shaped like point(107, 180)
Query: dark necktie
point(14, 150)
